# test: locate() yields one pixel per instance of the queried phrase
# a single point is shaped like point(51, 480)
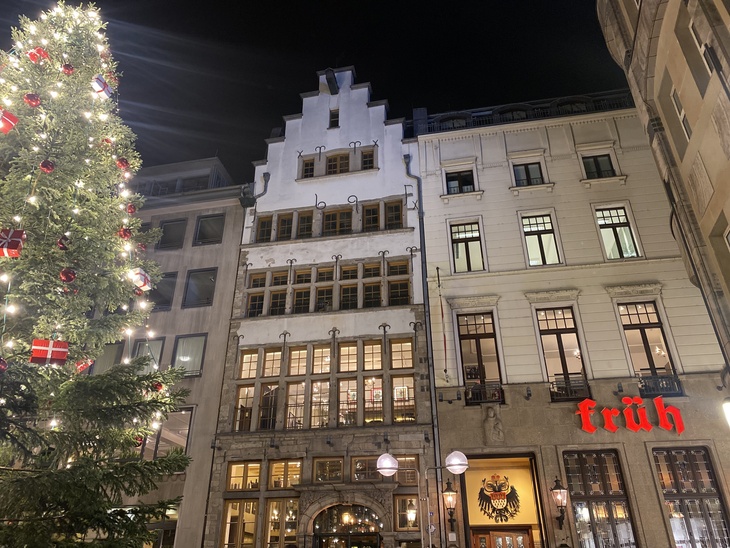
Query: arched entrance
point(347, 526)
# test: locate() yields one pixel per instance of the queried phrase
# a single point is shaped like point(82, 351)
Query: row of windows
point(599, 166)
point(318, 223)
point(337, 163)
point(208, 230)
point(540, 239)
point(199, 289)
point(323, 288)
point(562, 354)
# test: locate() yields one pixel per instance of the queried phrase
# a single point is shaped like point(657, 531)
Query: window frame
point(156, 291)
point(555, 232)
point(202, 218)
point(630, 223)
point(680, 112)
point(186, 409)
point(661, 325)
point(526, 165)
point(334, 119)
point(461, 187)
point(154, 363)
point(192, 372)
point(324, 460)
point(264, 232)
point(594, 158)
point(237, 528)
point(164, 247)
point(337, 163)
point(199, 304)
point(286, 481)
point(451, 224)
point(246, 477)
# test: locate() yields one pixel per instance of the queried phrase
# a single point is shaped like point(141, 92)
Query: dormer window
point(339, 163)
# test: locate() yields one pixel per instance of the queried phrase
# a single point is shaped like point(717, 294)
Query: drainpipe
point(429, 345)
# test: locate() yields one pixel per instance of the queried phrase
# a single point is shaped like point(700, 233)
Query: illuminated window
point(407, 511)
point(243, 476)
point(244, 408)
point(540, 240)
point(282, 519)
point(284, 474)
point(373, 356)
point(267, 406)
point(373, 400)
point(188, 353)
point(466, 246)
point(168, 434)
point(645, 338)
point(347, 403)
point(562, 352)
point(321, 360)
point(348, 357)
point(272, 363)
point(328, 470)
point(297, 361)
point(249, 361)
point(295, 406)
point(616, 234)
point(401, 354)
point(320, 404)
point(404, 399)
point(407, 467)
point(365, 469)
point(239, 524)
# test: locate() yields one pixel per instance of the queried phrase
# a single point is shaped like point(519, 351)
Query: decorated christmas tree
point(73, 278)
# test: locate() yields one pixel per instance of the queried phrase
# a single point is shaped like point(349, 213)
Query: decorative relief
point(552, 296)
point(700, 186)
point(477, 301)
point(654, 288)
point(721, 122)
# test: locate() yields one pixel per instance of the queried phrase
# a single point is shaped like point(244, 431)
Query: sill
point(476, 194)
point(545, 187)
point(618, 179)
point(168, 247)
point(162, 309)
point(196, 305)
point(335, 175)
point(195, 244)
point(193, 374)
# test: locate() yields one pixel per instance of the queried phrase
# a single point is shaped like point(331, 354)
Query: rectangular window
point(701, 46)
point(324, 299)
point(393, 215)
point(209, 230)
point(373, 356)
point(277, 305)
point(406, 513)
point(199, 288)
point(348, 297)
point(598, 167)
point(337, 222)
point(348, 273)
point(691, 495)
point(239, 524)
point(171, 434)
point(407, 467)
point(304, 225)
point(308, 168)
point(303, 277)
point(334, 118)
point(328, 470)
point(397, 269)
point(528, 174)
point(255, 305)
point(320, 404)
point(348, 358)
point(244, 409)
point(285, 474)
point(282, 523)
point(347, 403)
point(367, 160)
point(371, 218)
point(399, 293)
point(263, 231)
point(267, 406)
point(189, 352)
point(563, 356)
point(297, 361)
point(681, 114)
point(257, 280)
point(373, 400)
point(173, 234)
point(598, 496)
point(151, 349)
point(325, 274)
point(249, 362)
point(279, 278)
point(339, 163)
point(479, 358)
point(243, 476)
point(540, 241)
point(371, 296)
point(404, 399)
point(466, 245)
point(285, 223)
point(458, 182)
point(161, 295)
point(401, 355)
point(371, 270)
point(321, 360)
point(295, 406)
point(365, 469)
point(272, 363)
point(301, 301)
point(616, 233)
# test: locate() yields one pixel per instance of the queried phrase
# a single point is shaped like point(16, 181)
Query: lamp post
point(450, 502)
point(560, 496)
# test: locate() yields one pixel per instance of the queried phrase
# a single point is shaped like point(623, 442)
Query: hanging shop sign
point(634, 414)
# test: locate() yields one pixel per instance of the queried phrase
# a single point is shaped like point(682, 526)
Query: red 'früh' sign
point(634, 417)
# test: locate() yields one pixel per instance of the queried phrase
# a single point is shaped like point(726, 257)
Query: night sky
point(213, 78)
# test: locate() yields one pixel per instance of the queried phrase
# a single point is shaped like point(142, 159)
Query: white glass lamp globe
point(456, 462)
point(387, 464)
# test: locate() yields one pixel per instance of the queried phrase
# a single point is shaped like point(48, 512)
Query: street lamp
point(456, 462)
point(411, 512)
point(560, 496)
point(450, 502)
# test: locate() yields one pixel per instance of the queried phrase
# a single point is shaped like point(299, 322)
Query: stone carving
point(552, 296)
point(649, 288)
point(480, 301)
point(493, 429)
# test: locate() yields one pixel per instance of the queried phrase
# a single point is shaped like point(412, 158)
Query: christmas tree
point(74, 278)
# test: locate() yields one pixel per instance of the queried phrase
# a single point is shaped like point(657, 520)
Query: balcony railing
point(490, 392)
point(660, 385)
point(573, 386)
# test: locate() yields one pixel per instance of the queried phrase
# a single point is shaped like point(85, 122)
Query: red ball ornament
point(142, 247)
point(138, 292)
point(157, 386)
point(62, 243)
point(67, 275)
point(68, 69)
point(32, 99)
point(124, 233)
point(131, 209)
point(47, 166)
point(122, 163)
point(3, 365)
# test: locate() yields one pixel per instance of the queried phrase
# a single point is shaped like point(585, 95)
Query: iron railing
point(490, 392)
point(573, 386)
point(660, 385)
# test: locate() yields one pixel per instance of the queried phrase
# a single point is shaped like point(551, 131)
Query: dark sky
point(214, 77)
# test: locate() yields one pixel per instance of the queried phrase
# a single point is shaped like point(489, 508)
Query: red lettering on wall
point(585, 410)
point(635, 418)
point(663, 411)
point(631, 423)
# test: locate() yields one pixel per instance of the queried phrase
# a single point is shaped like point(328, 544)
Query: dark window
point(324, 299)
point(598, 167)
point(195, 183)
point(540, 240)
point(145, 227)
point(200, 287)
point(563, 356)
point(697, 516)
point(371, 271)
point(393, 215)
point(460, 181)
point(304, 225)
point(304, 277)
point(267, 407)
point(371, 218)
point(467, 248)
point(479, 357)
point(598, 495)
point(189, 352)
point(278, 304)
point(368, 159)
point(616, 233)
point(112, 355)
point(528, 174)
point(348, 273)
point(279, 278)
point(397, 269)
point(348, 297)
point(398, 293)
point(308, 168)
point(284, 229)
point(164, 291)
point(337, 222)
point(334, 118)
point(257, 280)
point(301, 301)
point(255, 305)
point(339, 163)
point(371, 296)
point(209, 230)
point(263, 233)
point(325, 275)
point(171, 434)
point(173, 234)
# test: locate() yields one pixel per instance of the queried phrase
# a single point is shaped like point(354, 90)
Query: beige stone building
point(675, 54)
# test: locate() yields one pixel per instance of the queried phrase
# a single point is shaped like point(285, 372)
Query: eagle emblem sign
point(498, 500)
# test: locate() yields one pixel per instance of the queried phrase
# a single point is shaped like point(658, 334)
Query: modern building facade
point(569, 342)
point(675, 54)
point(197, 208)
point(329, 368)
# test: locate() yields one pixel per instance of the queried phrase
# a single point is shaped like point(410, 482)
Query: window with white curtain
point(151, 349)
point(189, 350)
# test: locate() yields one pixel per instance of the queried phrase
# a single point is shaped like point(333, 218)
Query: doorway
point(501, 538)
